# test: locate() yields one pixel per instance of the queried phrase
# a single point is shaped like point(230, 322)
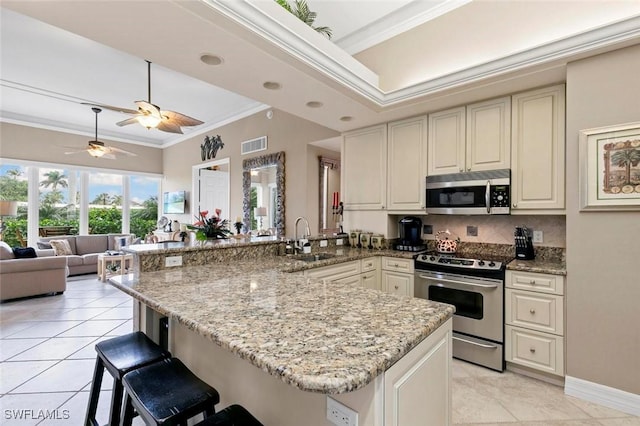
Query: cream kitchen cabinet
point(472, 138)
point(534, 316)
point(407, 164)
point(397, 276)
point(538, 151)
point(371, 273)
point(335, 272)
point(364, 167)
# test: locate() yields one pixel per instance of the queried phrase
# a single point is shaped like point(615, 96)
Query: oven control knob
point(492, 264)
point(481, 263)
point(424, 257)
point(432, 258)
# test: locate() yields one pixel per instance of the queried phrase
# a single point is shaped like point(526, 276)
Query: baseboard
point(617, 399)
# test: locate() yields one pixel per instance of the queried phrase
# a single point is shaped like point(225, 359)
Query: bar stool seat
point(119, 356)
point(233, 415)
point(166, 393)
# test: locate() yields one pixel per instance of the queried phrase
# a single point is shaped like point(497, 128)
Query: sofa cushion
point(24, 252)
point(43, 245)
point(90, 259)
point(86, 244)
point(74, 260)
point(5, 251)
point(61, 247)
point(70, 239)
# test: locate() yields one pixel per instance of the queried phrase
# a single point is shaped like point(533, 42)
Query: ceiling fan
point(99, 149)
point(151, 116)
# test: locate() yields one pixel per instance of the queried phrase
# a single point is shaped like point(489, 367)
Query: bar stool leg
point(92, 406)
point(127, 411)
point(116, 401)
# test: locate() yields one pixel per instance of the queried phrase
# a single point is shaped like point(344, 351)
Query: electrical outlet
point(171, 261)
point(427, 229)
point(324, 243)
point(339, 242)
point(537, 236)
point(341, 415)
point(472, 231)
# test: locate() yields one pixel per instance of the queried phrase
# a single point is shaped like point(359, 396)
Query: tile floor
point(47, 357)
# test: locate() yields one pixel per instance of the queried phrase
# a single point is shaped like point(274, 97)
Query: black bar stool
point(166, 393)
point(233, 415)
point(119, 356)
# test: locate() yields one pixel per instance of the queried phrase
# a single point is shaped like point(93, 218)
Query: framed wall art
point(610, 167)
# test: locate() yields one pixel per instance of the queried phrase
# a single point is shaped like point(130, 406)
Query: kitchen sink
point(313, 257)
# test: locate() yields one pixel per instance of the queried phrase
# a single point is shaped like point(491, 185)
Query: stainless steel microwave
point(473, 193)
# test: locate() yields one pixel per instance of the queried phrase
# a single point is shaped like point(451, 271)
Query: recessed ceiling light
point(346, 118)
point(210, 59)
point(314, 104)
point(271, 85)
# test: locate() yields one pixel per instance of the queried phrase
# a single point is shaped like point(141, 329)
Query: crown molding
point(291, 36)
point(395, 23)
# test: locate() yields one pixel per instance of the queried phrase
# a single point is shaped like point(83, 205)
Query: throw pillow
point(43, 245)
point(24, 252)
point(61, 247)
point(5, 251)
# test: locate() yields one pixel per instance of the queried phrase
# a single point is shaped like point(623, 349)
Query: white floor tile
point(10, 328)
point(116, 313)
point(13, 374)
point(52, 349)
point(12, 347)
point(95, 328)
point(65, 376)
point(82, 314)
point(45, 329)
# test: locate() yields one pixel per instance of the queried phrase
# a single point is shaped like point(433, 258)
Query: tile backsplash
point(499, 229)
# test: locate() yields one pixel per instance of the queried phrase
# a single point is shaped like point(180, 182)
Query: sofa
point(30, 277)
point(84, 250)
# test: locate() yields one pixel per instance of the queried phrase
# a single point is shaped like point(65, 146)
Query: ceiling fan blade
point(112, 108)
point(168, 126)
point(180, 119)
point(148, 108)
point(108, 156)
point(120, 151)
point(128, 121)
point(75, 152)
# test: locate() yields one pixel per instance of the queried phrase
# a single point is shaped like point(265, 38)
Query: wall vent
point(253, 145)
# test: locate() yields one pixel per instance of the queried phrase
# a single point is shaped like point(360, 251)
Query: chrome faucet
point(307, 233)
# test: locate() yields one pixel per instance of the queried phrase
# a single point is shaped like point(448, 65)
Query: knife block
point(524, 249)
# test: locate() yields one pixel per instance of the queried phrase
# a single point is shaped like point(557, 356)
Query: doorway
point(210, 187)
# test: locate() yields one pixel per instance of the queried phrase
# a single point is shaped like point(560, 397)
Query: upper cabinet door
point(364, 165)
point(407, 164)
point(489, 135)
point(446, 152)
point(537, 154)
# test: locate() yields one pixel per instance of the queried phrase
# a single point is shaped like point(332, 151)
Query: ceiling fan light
point(94, 152)
point(148, 121)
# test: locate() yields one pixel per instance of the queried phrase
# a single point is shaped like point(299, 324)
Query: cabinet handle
point(396, 287)
point(532, 282)
point(532, 350)
point(469, 169)
point(461, 170)
point(396, 265)
point(532, 311)
point(515, 205)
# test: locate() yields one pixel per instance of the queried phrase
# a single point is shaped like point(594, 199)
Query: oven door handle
point(487, 197)
point(459, 282)
point(475, 343)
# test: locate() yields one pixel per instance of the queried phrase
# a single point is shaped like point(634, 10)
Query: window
point(14, 187)
point(111, 202)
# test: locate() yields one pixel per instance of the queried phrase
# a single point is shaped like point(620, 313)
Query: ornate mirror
point(263, 189)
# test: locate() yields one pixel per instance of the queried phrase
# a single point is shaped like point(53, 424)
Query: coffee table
point(104, 260)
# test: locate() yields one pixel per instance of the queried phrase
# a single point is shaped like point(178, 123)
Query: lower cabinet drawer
point(537, 311)
point(397, 264)
point(541, 351)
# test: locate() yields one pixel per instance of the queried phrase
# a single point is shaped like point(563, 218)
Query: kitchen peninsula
point(385, 356)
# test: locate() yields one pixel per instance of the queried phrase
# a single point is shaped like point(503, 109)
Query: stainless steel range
point(475, 286)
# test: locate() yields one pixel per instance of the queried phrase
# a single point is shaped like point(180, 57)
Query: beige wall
point(48, 146)
point(603, 249)
point(285, 132)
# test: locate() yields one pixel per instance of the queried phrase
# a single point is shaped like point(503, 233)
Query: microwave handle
point(487, 197)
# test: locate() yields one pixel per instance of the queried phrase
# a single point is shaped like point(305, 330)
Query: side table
point(104, 260)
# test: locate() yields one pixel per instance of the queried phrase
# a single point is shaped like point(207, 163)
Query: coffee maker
point(410, 234)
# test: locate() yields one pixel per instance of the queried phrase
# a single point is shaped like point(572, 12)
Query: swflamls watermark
point(30, 414)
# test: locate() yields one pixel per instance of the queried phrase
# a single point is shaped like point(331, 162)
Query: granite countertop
point(316, 336)
point(544, 266)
